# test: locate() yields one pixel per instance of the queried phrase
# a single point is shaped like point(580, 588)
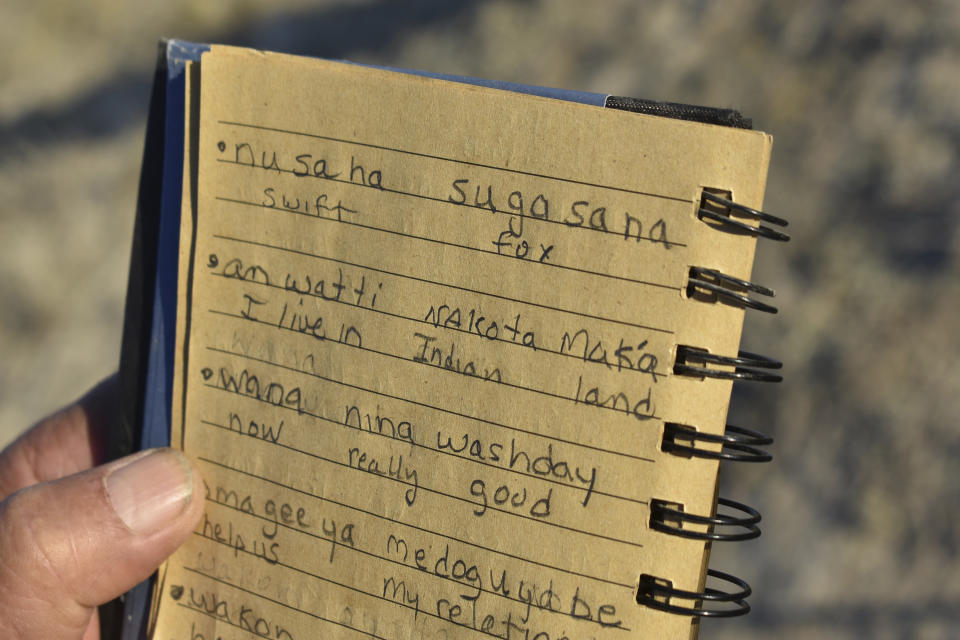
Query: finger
point(66, 442)
point(69, 545)
point(93, 629)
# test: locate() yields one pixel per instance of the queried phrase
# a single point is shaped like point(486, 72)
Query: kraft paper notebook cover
point(454, 356)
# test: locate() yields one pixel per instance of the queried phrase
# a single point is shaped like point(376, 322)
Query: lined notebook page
point(426, 350)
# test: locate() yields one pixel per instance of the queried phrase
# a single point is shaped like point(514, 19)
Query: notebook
point(454, 356)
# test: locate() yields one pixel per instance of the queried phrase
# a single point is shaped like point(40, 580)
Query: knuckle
point(25, 542)
point(34, 558)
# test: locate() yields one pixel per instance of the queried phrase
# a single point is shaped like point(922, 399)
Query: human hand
point(74, 535)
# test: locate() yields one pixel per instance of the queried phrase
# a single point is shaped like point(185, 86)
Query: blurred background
point(860, 504)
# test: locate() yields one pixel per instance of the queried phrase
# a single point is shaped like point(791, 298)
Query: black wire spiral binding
point(652, 587)
point(728, 207)
point(737, 444)
point(663, 514)
point(746, 365)
point(728, 289)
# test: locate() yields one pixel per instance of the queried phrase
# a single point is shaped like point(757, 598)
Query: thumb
point(69, 545)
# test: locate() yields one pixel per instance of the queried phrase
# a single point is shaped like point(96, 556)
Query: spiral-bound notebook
point(454, 359)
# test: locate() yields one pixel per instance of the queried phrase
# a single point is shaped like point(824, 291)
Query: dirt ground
point(860, 504)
